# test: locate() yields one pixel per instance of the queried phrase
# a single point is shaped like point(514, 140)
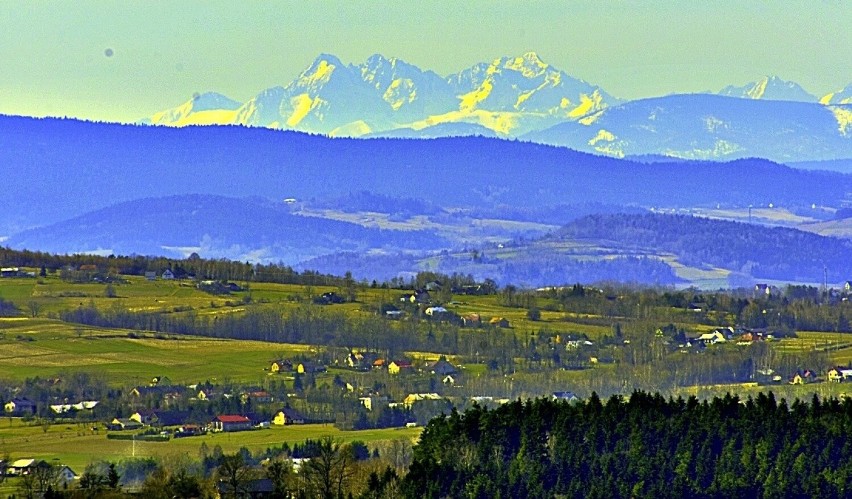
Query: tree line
point(644, 446)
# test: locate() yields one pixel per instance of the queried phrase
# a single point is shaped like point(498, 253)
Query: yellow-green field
point(77, 445)
point(58, 347)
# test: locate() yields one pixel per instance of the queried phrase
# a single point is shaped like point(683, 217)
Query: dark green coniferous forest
point(642, 446)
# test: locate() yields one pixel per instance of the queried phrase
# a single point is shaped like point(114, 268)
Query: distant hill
point(215, 227)
point(756, 251)
point(631, 247)
point(710, 127)
point(54, 169)
point(835, 165)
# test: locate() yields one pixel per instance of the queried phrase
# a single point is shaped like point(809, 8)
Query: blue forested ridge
point(80, 166)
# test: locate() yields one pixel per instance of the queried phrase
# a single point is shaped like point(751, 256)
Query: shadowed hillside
point(60, 168)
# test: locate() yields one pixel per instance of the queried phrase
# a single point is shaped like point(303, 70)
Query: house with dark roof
point(398, 366)
point(20, 407)
point(281, 366)
point(442, 367)
point(119, 424)
point(310, 367)
point(160, 418)
point(288, 416)
point(256, 396)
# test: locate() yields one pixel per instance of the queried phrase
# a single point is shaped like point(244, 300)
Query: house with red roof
point(230, 422)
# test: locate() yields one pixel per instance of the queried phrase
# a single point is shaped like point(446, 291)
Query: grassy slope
point(76, 445)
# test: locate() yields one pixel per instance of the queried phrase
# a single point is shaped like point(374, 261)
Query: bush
point(534, 314)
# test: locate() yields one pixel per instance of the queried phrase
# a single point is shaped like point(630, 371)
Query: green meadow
point(77, 445)
point(46, 348)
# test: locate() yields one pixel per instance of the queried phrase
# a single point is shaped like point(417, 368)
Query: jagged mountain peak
point(379, 59)
point(377, 64)
point(320, 71)
point(201, 109)
point(769, 87)
point(511, 95)
point(528, 64)
point(212, 100)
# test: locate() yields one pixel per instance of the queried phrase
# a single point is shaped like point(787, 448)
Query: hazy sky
point(124, 60)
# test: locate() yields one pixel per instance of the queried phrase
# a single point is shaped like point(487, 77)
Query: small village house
point(230, 422)
point(281, 366)
point(20, 407)
point(442, 368)
point(256, 396)
point(566, 396)
point(122, 424)
point(288, 416)
point(398, 366)
point(839, 374)
point(65, 476)
point(413, 398)
point(373, 402)
point(308, 367)
point(472, 320)
point(499, 322)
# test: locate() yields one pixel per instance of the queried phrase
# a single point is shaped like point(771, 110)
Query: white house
point(712, 338)
point(65, 475)
point(432, 311)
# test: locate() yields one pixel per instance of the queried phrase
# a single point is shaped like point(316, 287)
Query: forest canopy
point(644, 446)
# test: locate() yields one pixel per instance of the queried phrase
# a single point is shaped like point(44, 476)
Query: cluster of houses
point(423, 299)
point(287, 366)
point(166, 275)
point(739, 336)
point(837, 374)
point(366, 361)
point(15, 272)
point(20, 467)
point(181, 425)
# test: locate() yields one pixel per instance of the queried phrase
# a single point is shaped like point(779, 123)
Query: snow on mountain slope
point(840, 97)
point(411, 92)
point(209, 108)
point(329, 95)
point(450, 129)
point(527, 84)
point(770, 88)
point(518, 96)
point(263, 110)
point(511, 95)
point(700, 126)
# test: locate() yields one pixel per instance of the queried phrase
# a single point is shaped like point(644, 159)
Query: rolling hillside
point(57, 169)
point(217, 227)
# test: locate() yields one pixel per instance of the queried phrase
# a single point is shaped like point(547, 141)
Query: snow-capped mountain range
point(510, 95)
point(524, 97)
